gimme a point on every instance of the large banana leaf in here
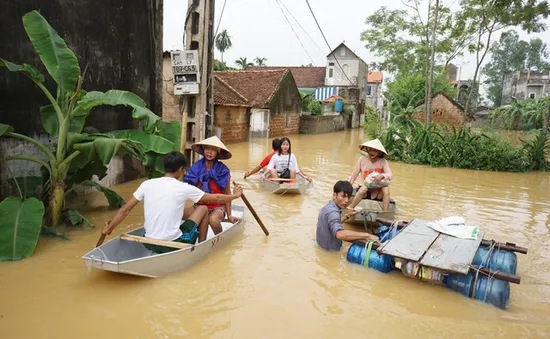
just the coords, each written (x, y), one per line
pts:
(106, 148)
(50, 122)
(27, 69)
(113, 198)
(171, 130)
(58, 59)
(29, 185)
(150, 142)
(5, 129)
(117, 97)
(20, 223)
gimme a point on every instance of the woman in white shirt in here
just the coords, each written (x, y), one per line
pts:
(284, 164)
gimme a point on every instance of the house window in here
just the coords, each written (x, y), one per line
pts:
(331, 64)
(532, 95)
(369, 91)
(343, 52)
(346, 69)
(330, 72)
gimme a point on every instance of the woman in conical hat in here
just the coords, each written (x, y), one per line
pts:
(212, 176)
(375, 172)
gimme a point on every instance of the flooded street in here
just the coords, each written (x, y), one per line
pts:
(283, 286)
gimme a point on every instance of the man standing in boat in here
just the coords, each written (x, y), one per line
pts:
(164, 202)
(330, 231)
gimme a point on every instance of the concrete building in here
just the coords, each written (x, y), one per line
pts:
(374, 94)
(525, 85)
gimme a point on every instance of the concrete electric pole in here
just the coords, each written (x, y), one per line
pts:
(197, 104)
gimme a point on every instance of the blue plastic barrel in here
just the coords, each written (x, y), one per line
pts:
(503, 261)
(385, 233)
(490, 290)
(338, 105)
(380, 262)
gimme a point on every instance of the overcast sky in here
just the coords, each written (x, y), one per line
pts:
(258, 28)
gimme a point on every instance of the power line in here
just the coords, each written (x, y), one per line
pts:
(289, 12)
(220, 20)
(328, 45)
(288, 21)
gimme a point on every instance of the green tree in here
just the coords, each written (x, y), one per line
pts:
(507, 55)
(260, 61)
(243, 63)
(487, 17)
(223, 42)
(537, 56)
(222, 66)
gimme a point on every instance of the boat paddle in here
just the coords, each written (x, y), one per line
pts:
(266, 232)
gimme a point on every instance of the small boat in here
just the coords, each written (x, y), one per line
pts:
(370, 209)
(285, 186)
(132, 257)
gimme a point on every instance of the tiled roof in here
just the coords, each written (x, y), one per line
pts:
(226, 95)
(375, 77)
(305, 77)
(257, 87)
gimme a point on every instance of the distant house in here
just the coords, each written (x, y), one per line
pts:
(307, 78)
(374, 89)
(263, 103)
(525, 85)
(445, 111)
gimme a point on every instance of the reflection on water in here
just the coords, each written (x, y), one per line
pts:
(283, 286)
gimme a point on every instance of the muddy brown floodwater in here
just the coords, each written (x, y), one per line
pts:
(283, 286)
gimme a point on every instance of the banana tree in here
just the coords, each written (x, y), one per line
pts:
(79, 156)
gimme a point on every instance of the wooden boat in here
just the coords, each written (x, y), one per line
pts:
(371, 209)
(130, 257)
(285, 186)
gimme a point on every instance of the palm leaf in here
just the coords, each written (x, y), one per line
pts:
(20, 223)
(28, 70)
(58, 59)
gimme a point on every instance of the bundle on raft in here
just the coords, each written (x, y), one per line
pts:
(476, 268)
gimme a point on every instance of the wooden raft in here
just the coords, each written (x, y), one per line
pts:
(420, 243)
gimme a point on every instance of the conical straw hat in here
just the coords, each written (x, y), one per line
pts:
(214, 142)
(376, 144)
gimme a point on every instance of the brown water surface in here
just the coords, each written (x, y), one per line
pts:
(283, 286)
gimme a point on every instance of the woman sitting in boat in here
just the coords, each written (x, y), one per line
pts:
(212, 176)
(376, 174)
(276, 145)
(284, 164)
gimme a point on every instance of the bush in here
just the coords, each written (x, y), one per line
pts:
(443, 147)
(315, 107)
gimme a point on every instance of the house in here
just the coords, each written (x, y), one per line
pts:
(307, 78)
(463, 87)
(525, 85)
(256, 103)
(374, 90)
(445, 111)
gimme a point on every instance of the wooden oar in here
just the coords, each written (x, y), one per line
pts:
(266, 232)
(100, 241)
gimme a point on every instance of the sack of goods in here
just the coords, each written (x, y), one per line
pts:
(370, 184)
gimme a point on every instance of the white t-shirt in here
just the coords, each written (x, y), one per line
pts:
(163, 206)
(280, 162)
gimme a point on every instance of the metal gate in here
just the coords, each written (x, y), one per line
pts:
(259, 124)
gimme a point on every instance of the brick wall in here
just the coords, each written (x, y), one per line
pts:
(234, 123)
(314, 124)
(444, 113)
(284, 124)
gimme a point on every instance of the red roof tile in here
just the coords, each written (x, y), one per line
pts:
(257, 87)
(305, 77)
(226, 95)
(375, 77)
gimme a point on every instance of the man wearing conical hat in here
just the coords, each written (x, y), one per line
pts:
(375, 172)
(212, 176)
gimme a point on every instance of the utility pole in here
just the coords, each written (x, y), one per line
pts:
(198, 109)
(432, 61)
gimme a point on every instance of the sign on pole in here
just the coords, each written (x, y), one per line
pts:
(185, 67)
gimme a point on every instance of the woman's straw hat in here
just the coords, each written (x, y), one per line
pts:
(376, 144)
(223, 153)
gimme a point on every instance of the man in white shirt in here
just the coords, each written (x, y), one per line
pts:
(164, 202)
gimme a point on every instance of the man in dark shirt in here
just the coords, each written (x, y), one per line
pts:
(330, 231)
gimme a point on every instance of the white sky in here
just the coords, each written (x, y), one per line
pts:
(259, 29)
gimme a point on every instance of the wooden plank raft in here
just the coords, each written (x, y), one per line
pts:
(419, 243)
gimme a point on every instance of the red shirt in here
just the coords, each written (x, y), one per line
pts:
(266, 160)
